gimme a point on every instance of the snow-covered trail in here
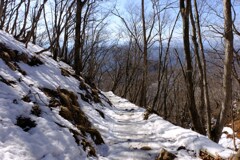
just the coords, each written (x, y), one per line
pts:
(129, 137)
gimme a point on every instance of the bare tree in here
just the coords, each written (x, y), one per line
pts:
(197, 124)
(163, 76)
(204, 70)
(201, 107)
(227, 77)
(143, 98)
(35, 20)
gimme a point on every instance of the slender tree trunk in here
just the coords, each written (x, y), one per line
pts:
(65, 44)
(77, 58)
(201, 109)
(1, 8)
(227, 77)
(77, 61)
(204, 65)
(4, 4)
(143, 100)
(197, 124)
(14, 26)
(23, 29)
(35, 22)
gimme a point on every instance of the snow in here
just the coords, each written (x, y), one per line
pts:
(125, 133)
(226, 141)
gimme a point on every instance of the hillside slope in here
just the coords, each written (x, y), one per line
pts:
(49, 113)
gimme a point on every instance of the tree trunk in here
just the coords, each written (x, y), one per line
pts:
(204, 65)
(197, 124)
(1, 8)
(143, 98)
(4, 4)
(77, 58)
(227, 77)
(35, 22)
(23, 29)
(201, 109)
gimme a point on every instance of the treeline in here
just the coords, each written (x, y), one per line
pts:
(175, 58)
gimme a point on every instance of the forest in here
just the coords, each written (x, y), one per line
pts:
(179, 59)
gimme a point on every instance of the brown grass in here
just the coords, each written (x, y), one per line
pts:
(71, 111)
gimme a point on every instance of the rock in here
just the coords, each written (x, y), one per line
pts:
(165, 155)
(146, 148)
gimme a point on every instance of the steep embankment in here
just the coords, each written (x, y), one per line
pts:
(49, 113)
(40, 107)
